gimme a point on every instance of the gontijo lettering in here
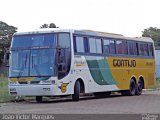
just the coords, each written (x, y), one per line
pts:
(124, 63)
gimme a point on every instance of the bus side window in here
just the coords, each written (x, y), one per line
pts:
(74, 43)
(78, 44)
(137, 48)
(132, 48)
(86, 45)
(143, 49)
(92, 45)
(122, 47)
(146, 50)
(151, 53)
(106, 46)
(95, 45)
(98, 46)
(112, 47)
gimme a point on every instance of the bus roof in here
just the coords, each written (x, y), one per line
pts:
(85, 33)
(112, 35)
(43, 30)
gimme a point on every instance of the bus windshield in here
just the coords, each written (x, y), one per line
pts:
(33, 55)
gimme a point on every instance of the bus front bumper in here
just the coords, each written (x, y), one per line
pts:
(33, 90)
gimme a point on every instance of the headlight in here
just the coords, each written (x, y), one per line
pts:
(46, 82)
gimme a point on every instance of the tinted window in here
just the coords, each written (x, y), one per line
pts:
(121, 47)
(64, 40)
(146, 51)
(143, 49)
(112, 47)
(132, 48)
(74, 43)
(106, 46)
(86, 44)
(95, 45)
(99, 46)
(92, 45)
(151, 53)
(79, 44)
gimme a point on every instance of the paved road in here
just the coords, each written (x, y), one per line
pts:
(148, 102)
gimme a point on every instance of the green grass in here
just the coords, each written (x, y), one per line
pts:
(4, 96)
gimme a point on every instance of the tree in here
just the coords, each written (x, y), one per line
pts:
(51, 25)
(6, 32)
(153, 33)
(44, 26)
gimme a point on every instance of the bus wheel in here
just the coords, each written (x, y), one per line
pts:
(39, 99)
(76, 95)
(140, 87)
(133, 88)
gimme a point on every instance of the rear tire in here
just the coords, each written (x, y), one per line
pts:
(39, 99)
(140, 86)
(76, 95)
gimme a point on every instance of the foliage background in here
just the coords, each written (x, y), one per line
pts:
(6, 33)
(154, 33)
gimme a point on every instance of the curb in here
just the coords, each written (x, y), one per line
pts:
(157, 89)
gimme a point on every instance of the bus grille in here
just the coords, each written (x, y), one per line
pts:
(23, 82)
(34, 82)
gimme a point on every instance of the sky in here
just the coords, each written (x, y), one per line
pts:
(126, 17)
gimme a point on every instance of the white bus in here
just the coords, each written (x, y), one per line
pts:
(57, 62)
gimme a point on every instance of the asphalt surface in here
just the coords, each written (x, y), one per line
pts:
(148, 102)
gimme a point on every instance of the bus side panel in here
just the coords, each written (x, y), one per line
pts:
(101, 78)
(123, 69)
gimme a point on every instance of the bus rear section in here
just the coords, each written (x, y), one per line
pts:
(114, 63)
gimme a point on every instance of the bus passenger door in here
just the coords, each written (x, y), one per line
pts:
(63, 55)
(61, 62)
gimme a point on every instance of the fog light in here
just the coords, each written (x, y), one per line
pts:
(13, 93)
(53, 81)
(11, 83)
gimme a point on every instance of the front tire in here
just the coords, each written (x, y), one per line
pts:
(76, 95)
(133, 88)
